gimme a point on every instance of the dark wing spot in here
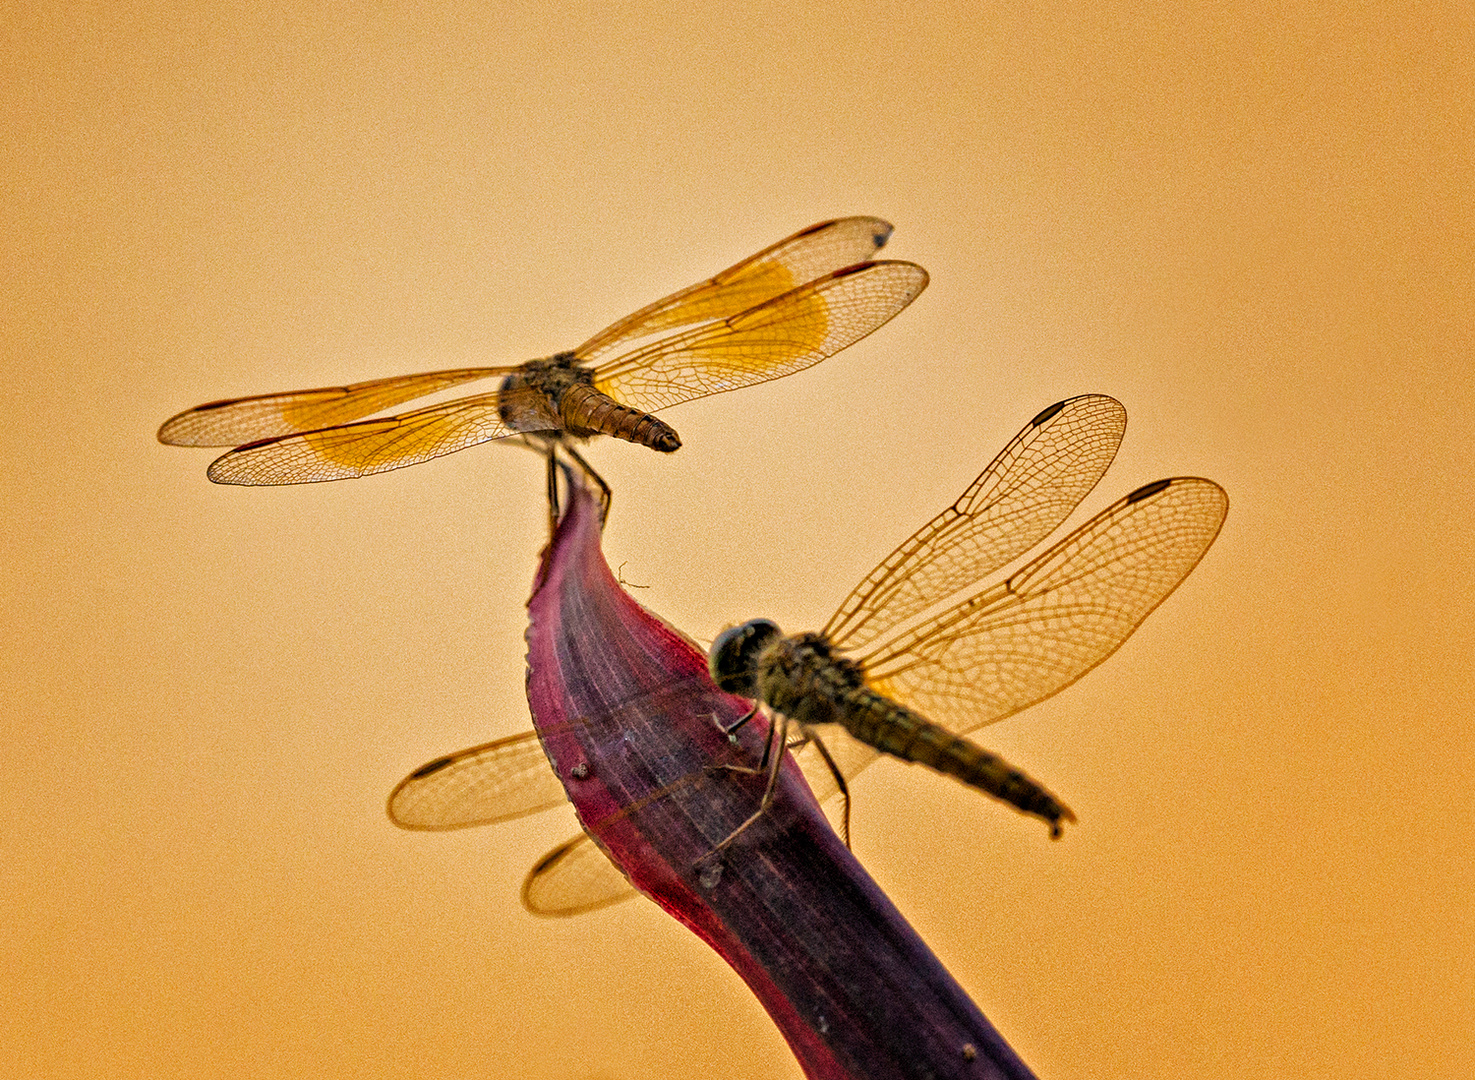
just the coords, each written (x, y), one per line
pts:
(254, 443)
(431, 767)
(1148, 490)
(1048, 414)
(548, 860)
(214, 404)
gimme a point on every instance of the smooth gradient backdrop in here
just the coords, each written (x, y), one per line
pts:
(1251, 223)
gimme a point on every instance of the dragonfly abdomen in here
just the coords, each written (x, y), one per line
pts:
(896, 730)
(804, 678)
(587, 411)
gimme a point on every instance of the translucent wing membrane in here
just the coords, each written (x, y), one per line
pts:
(494, 782)
(370, 446)
(1023, 495)
(784, 335)
(811, 253)
(499, 781)
(758, 324)
(511, 777)
(573, 878)
(243, 420)
(817, 250)
(1019, 642)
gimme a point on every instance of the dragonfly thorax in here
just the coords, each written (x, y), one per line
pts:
(806, 679)
(532, 395)
(801, 675)
(557, 397)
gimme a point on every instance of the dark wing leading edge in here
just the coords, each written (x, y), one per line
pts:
(1018, 642)
(573, 878)
(1022, 497)
(778, 337)
(808, 254)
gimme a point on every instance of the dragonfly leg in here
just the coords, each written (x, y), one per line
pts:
(746, 717)
(747, 770)
(553, 514)
(549, 448)
(819, 744)
(770, 766)
(778, 735)
(606, 496)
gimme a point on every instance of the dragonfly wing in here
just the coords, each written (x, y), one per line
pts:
(497, 781)
(266, 416)
(368, 446)
(1031, 636)
(811, 253)
(573, 878)
(779, 337)
(1022, 497)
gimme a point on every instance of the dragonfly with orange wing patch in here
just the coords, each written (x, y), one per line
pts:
(779, 311)
(904, 637)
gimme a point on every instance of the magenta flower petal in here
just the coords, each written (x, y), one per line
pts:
(633, 728)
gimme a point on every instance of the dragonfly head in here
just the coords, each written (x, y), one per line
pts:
(733, 661)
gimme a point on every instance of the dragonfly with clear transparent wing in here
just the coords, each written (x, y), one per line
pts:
(919, 630)
(779, 311)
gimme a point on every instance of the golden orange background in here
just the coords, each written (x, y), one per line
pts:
(1252, 225)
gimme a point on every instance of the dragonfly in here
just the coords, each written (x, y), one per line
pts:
(777, 312)
(924, 630)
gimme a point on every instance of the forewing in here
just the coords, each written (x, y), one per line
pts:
(494, 782)
(809, 254)
(265, 416)
(1023, 495)
(779, 337)
(573, 878)
(1019, 642)
(368, 446)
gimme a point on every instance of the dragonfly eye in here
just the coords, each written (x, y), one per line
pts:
(733, 661)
